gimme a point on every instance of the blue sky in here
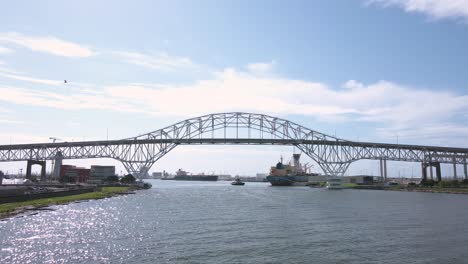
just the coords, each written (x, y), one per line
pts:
(368, 70)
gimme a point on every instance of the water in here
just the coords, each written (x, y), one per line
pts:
(214, 222)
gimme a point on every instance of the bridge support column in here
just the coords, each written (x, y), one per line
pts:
(431, 173)
(57, 166)
(438, 171)
(43, 169)
(423, 171)
(385, 169)
(381, 170)
(455, 177)
(465, 169)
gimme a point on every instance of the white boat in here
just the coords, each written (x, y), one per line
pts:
(334, 184)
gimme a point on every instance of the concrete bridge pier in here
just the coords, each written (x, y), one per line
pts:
(438, 171)
(465, 170)
(42, 163)
(455, 177)
(425, 165)
(57, 165)
(423, 171)
(431, 173)
(383, 170)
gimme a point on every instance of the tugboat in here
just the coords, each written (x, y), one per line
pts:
(237, 181)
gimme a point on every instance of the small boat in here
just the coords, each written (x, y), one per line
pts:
(237, 181)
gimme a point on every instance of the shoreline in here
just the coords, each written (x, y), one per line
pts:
(461, 190)
(8, 210)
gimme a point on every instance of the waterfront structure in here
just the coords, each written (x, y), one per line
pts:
(100, 173)
(70, 173)
(334, 184)
(157, 175)
(261, 176)
(332, 154)
(359, 179)
(317, 179)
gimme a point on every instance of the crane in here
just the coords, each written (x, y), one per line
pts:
(54, 139)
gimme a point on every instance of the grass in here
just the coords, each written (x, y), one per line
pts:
(120, 189)
(349, 185)
(105, 192)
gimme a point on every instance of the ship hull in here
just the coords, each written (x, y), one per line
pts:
(298, 180)
(196, 178)
(280, 180)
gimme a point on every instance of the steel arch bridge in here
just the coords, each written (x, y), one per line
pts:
(138, 154)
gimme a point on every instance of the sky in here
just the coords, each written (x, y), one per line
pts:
(368, 70)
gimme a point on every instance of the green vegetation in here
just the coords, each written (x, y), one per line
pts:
(118, 189)
(128, 179)
(349, 185)
(105, 192)
(113, 178)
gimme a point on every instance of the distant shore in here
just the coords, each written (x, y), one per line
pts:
(435, 189)
(11, 209)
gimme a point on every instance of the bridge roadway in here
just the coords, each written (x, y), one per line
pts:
(34, 147)
(234, 141)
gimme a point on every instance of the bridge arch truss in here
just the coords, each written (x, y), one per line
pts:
(138, 154)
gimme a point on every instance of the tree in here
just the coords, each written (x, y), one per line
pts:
(113, 178)
(427, 183)
(128, 179)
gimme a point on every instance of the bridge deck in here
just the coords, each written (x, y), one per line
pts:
(246, 141)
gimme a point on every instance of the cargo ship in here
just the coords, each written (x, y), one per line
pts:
(289, 175)
(182, 175)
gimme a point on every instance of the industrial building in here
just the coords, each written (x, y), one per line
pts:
(359, 179)
(100, 173)
(157, 175)
(70, 173)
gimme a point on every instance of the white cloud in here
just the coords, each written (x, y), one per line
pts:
(392, 106)
(261, 67)
(48, 44)
(19, 138)
(435, 8)
(353, 84)
(9, 121)
(75, 100)
(161, 61)
(29, 79)
(4, 50)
